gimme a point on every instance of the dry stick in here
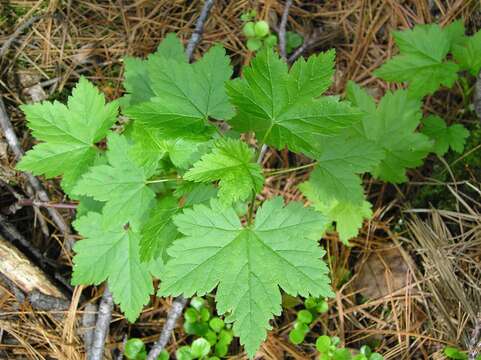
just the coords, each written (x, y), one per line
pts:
(477, 96)
(88, 326)
(172, 316)
(102, 326)
(36, 187)
(12, 140)
(180, 302)
(475, 341)
(199, 28)
(282, 30)
(298, 52)
(6, 45)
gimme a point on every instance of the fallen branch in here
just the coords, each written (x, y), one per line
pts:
(26, 277)
(199, 28)
(475, 340)
(477, 96)
(88, 326)
(102, 326)
(282, 30)
(172, 316)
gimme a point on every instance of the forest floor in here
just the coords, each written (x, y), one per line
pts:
(409, 285)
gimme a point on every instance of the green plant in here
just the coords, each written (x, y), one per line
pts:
(305, 317)
(135, 350)
(258, 34)
(454, 353)
(329, 349)
(293, 41)
(200, 322)
(172, 195)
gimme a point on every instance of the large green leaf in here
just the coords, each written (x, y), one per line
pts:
(421, 61)
(69, 133)
(284, 108)
(111, 252)
(248, 264)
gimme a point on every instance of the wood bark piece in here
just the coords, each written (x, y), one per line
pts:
(20, 272)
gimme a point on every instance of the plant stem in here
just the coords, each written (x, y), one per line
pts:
(162, 180)
(288, 170)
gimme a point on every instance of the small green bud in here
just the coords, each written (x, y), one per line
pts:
(164, 355)
(249, 29)
(261, 28)
(296, 336)
(191, 315)
(271, 40)
(323, 343)
(204, 314)
(197, 303)
(216, 324)
(183, 353)
(133, 347)
(304, 316)
(200, 348)
(221, 349)
(254, 44)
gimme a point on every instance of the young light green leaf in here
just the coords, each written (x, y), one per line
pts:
(137, 80)
(186, 94)
(392, 127)
(347, 215)
(69, 133)
(151, 145)
(248, 264)
(421, 61)
(121, 184)
(444, 136)
(283, 108)
(231, 163)
(468, 55)
(112, 253)
(159, 231)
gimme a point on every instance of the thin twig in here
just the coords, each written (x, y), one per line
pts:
(30, 202)
(88, 326)
(35, 187)
(6, 45)
(282, 30)
(475, 340)
(172, 316)
(308, 41)
(102, 326)
(477, 96)
(199, 28)
(263, 151)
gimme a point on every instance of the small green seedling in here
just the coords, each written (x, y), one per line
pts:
(135, 350)
(198, 321)
(293, 41)
(329, 350)
(258, 34)
(454, 353)
(305, 317)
